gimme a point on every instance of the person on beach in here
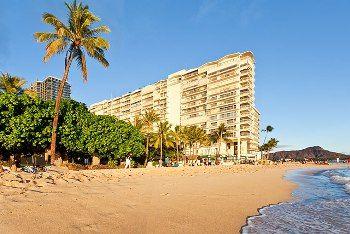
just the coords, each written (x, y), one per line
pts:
(128, 161)
(167, 162)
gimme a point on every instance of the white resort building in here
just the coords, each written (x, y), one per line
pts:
(221, 91)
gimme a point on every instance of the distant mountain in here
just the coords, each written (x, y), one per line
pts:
(315, 152)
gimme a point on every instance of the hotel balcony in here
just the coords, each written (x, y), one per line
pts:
(245, 134)
(245, 107)
(193, 98)
(195, 90)
(245, 128)
(245, 113)
(246, 93)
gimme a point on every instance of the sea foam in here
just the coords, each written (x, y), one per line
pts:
(321, 205)
(342, 179)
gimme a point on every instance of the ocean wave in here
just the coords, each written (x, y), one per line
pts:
(341, 179)
(347, 188)
(322, 205)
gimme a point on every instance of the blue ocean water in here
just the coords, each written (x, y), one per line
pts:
(321, 204)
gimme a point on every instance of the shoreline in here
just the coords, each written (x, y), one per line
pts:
(311, 170)
(312, 182)
(192, 199)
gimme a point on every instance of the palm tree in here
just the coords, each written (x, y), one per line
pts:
(177, 135)
(268, 129)
(148, 120)
(11, 84)
(14, 85)
(220, 135)
(75, 38)
(270, 145)
(194, 136)
(163, 137)
(138, 122)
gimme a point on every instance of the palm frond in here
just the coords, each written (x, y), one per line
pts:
(30, 93)
(98, 30)
(51, 19)
(55, 47)
(11, 84)
(95, 42)
(45, 36)
(78, 34)
(81, 60)
(99, 56)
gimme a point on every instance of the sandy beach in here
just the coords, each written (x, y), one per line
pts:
(159, 200)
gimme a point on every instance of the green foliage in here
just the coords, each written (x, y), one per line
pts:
(108, 137)
(74, 118)
(24, 123)
(194, 135)
(78, 36)
(270, 145)
(11, 84)
(25, 127)
(112, 163)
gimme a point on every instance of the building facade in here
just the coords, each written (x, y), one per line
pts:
(220, 91)
(48, 88)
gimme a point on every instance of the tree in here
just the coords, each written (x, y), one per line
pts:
(25, 128)
(105, 136)
(268, 129)
(178, 138)
(193, 136)
(267, 147)
(138, 122)
(162, 137)
(75, 117)
(148, 119)
(14, 85)
(75, 39)
(24, 124)
(11, 84)
(220, 135)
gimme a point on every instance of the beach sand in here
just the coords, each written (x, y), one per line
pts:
(159, 200)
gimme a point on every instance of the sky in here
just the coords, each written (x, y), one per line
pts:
(301, 47)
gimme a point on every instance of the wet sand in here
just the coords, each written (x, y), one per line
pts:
(158, 200)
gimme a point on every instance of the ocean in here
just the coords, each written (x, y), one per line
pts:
(321, 204)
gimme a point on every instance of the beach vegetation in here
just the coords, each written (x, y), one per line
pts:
(146, 124)
(163, 137)
(178, 137)
(75, 38)
(268, 147)
(25, 129)
(14, 85)
(194, 137)
(220, 135)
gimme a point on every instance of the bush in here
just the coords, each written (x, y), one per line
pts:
(25, 128)
(112, 164)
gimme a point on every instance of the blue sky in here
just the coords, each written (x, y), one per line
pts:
(302, 55)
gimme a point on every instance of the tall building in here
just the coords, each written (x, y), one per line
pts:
(221, 91)
(48, 88)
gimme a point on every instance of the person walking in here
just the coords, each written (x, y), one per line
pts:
(128, 161)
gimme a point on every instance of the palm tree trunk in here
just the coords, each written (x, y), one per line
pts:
(177, 153)
(69, 59)
(147, 151)
(161, 148)
(184, 154)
